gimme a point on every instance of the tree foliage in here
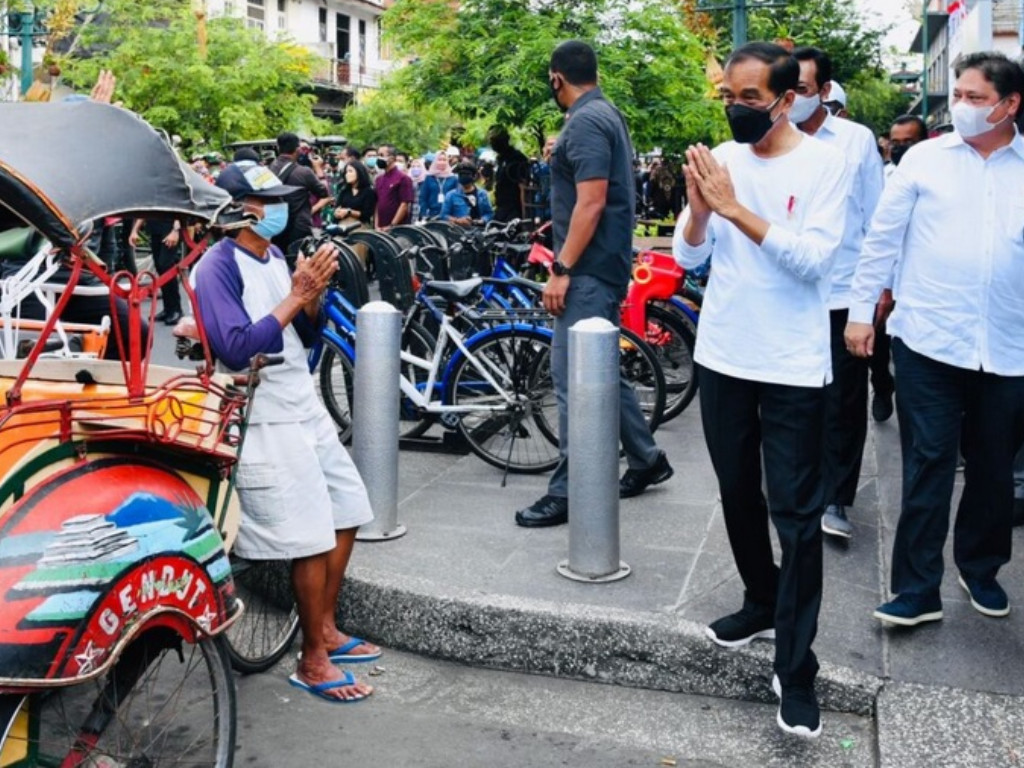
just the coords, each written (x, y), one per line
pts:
(244, 88)
(875, 102)
(389, 116)
(486, 60)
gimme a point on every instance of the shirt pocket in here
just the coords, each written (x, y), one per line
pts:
(259, 492)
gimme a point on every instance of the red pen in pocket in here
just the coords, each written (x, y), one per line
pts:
(790, 207)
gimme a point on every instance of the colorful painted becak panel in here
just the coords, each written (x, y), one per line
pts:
(86, 555)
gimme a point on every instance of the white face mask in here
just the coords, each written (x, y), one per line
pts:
(803, 107)
(973, 121)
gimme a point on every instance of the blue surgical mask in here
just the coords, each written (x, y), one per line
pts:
(275, 219)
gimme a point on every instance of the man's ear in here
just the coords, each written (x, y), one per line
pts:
(826, 91)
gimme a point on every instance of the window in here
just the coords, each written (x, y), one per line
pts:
(343, 38)
(255, 14)
(323, 24)
(282, 15)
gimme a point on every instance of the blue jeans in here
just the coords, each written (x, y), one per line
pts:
(941, 407)
(590, 297)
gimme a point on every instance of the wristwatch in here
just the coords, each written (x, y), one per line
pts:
(558, 269)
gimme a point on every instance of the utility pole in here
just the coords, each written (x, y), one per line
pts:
(25, 24)
(740, 9)
(924, 58)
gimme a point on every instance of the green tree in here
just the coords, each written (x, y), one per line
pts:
(243, 88)
(486, 60)
(875, 102)
(388, 115)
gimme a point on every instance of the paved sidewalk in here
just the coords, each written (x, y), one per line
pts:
(467, 584)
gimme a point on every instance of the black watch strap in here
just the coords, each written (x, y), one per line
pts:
(559, 269)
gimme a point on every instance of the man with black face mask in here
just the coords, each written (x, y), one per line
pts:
(395, 190)
(592, 203)
(467, 203)
(906, 131)
(771, 209)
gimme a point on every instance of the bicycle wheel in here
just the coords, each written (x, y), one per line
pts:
(265, 631)
(511, 428)
(164, 702)
(640, 368)
(672, 342)
(337, 380)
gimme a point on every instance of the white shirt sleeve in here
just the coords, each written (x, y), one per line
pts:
(689, 256)
(809, 253)
(882, 245)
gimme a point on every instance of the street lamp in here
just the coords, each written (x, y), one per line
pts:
(739, 10)
(26, 25)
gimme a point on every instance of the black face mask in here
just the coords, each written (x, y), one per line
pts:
(554, 95)
(750, 124)
(465, 179)
(896, 153)
(382, 163)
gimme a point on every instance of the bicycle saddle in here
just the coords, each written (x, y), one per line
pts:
(454, 290)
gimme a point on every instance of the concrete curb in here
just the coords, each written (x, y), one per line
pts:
(642, 650)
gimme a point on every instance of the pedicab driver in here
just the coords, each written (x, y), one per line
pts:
(301, 495)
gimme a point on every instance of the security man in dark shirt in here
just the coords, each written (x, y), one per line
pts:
(592, 202)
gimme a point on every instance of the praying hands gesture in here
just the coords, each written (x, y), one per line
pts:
(312, 275)
(708, 184)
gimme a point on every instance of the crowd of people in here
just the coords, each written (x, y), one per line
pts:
(822, 249)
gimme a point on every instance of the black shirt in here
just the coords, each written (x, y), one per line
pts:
(300, 209)
(513, 169)
(363, 202)
(595, 144)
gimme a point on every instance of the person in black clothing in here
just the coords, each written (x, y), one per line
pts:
(510, 177)
(355, 195)
(165, 242)
(300, 206)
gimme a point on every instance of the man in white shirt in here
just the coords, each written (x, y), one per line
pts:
(951, 225)
(846, 398)
(771, 208)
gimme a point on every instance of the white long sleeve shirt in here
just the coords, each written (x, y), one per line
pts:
(864, 164)
(951, 225)
(765, 313)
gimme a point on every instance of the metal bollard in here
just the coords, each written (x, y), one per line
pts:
(375, 416)
(594, 454)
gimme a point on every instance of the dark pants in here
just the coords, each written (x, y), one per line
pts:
(846, 418)
(1018, 475)
(882, 381)
(743, 419)
(165, 258)
(590, 297)
(933, 402)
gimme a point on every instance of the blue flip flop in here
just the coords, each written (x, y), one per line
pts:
(321, 689)
(341, 655)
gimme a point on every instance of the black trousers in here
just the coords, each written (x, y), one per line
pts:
(846, 418)
(882, 381)
(941, 407)
(742, 419)
(163, 259)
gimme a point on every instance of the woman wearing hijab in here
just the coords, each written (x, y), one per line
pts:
(439, 181)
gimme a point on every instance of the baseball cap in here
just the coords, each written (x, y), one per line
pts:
(250, 179)
(837, 93)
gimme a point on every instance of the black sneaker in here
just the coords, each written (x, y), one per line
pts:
(752, 622)
(881, 407)
(548, 510)
(635, 481)
(987, 597)
(909, 610)
(799, 714)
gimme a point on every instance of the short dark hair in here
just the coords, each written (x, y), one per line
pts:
(922, 128)
(392, 151)
(783, 72)
(575, 61)
(287, 143)
(352, 152)
(245, 153)
(1005, 75)
(822, 62)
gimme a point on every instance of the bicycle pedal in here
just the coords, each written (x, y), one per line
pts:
(450, 420)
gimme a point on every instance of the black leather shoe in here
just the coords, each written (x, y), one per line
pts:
(547, 510)
(881, 407)
(635, 481)
(160, 316)
(171, 318)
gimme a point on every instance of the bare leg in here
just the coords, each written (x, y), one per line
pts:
(309, 577)
(337, 564)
